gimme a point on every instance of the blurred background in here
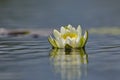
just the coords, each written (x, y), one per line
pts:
(55, 13)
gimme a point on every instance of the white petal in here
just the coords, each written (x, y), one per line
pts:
(69, 27)
(73, 30)
(79, 30)
(63, 41)
(68, 40)
(74, 43)
(56, 34)
(71, 42)
(78, 38)
(67, 31)
(60, 43)
(62, 30)
(79, 33)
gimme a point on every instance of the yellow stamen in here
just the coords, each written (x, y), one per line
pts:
(69, 34)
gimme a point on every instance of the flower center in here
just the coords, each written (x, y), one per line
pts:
(69, 34)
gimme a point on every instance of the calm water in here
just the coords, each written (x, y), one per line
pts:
(31, 58)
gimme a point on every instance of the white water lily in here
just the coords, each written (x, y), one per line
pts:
(68, 37)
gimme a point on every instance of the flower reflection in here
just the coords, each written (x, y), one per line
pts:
(71, 64)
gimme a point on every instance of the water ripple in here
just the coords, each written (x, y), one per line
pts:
(23, 50)
(102, 50)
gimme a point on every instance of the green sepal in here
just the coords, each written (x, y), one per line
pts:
(52, 42)
(81, 41)
(85, 39)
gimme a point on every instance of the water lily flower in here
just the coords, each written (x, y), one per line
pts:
(68, 38)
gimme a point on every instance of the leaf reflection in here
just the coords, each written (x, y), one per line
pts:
(71, 64)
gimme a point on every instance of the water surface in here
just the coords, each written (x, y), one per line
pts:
(28, 58)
